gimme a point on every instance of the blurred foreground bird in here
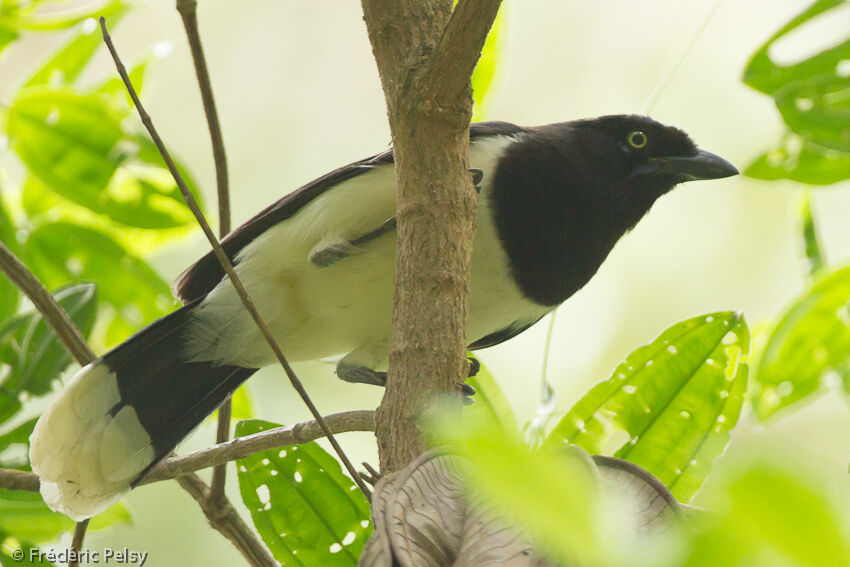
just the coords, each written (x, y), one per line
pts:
(319, 265)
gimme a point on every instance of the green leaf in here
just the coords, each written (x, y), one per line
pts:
(305, 509)
(114, 86)
(811, 339)
(29, 20)
(676, 398)
(14, 446)
(485, 69)
(68, 140)
(9, 546)
(490, 398)
(818, 109)
(75, 144)
(766, 516)
(9, 294)
(66, 64)
(8, 34)
(766, 76)
(803, 161)
(33, 351)
(553, 494)
(63, 251)
(811, 244)
(25, 516)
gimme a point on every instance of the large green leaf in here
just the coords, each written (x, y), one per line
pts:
(553, 494)
(63, 251)
(801, 160)
(763, 74)
(34, 354)
(66, 64)
(811, 339)
(26, 517)
(68, 140)
(766, 516)
(75, 144)
(818, 109)
(306, 510)
(813, 97)
(676, 398)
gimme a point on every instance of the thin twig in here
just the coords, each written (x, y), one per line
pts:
(227, 265)
(238, 448)
(77, 542)
(13, 479)
(224, 518)
(241, 447)
(188, 12)
(53, 313)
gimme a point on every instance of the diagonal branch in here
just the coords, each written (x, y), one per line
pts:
(228, 266)
(241, 447)
(238, 448)
(450, 67)
(53, 313)
(189, 14)
(224, 517)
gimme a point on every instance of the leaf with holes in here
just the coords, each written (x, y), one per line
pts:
(764, 74)
(676, 398)
(810, 340)
(306, 510)
(63, 251)
(802, 161)
(31, 349)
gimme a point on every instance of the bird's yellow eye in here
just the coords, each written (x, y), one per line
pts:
(637, 139)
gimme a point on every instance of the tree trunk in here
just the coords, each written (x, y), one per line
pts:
(426, 54)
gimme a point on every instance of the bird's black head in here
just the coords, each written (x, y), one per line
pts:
(647, 158)
(565, 193)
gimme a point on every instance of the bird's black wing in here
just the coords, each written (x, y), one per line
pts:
(200, 278)
(502, 335)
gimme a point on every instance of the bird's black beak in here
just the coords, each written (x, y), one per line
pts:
(704, 165)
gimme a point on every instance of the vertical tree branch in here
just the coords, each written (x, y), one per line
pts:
(425, 54)
(188, 12)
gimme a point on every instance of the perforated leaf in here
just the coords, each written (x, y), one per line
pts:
(677, 399)
(306, 510)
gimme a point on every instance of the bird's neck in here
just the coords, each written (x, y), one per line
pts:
(556, 219)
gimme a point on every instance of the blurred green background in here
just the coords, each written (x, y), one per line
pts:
(298, 95)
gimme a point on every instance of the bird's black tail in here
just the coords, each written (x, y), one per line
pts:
(121, 414)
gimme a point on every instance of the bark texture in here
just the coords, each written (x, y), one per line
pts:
(426, 53)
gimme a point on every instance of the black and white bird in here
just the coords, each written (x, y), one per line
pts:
(319, 265)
